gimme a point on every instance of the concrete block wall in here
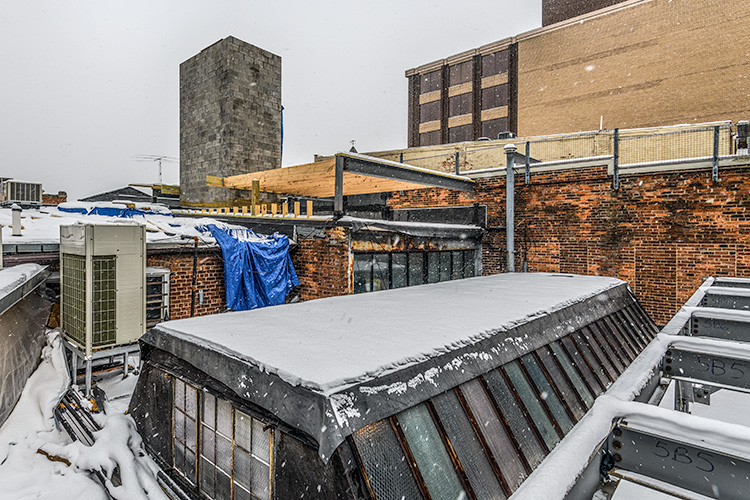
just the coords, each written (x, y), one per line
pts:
(230, 118)
(663, 233)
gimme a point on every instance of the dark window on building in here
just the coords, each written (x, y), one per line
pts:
(381, 271)
(432, 81)
(494, 97)
(461, 73)
(460, 104)
(429, 138)
(185, 428)
(460, 134)
(495, 63)
(429, 112)
(491, 128)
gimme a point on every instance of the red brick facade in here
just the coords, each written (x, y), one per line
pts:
(662, 233)
(322, 264)
(210, 279)
(54, 199)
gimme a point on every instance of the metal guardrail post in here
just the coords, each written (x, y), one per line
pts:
(457, 159)
(510, 151)
(401, 158)
(715, 172)
(528, 161)
(616, 160)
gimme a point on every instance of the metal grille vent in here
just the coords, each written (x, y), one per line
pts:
(74, 297)
(104, 327)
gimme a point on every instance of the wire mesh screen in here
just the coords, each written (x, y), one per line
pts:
(566, 147)
(104, 327)
(74, 297)
(674, 145)
(384, 462)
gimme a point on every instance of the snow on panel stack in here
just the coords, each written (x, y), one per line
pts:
(361, 392)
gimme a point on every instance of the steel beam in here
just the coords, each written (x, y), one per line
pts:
(392, 170)
(734, 298)
(703, 325)
(710, 368)
(694, 468)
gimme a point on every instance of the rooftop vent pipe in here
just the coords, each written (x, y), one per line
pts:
(16, 211)
(510, 151)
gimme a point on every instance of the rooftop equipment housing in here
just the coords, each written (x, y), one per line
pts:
(15, 191)
(103, 285)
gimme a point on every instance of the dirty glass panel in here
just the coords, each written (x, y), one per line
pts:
(209, 410)
(430, 454)
(433, 267)
(580, 364)
(572, 374)
(261, 442)
(517, 422)
(608, 328)
(207, 477)
(385, 463)
(469, 265)
(458, 265)
(547, 393)
(223, 486)
(614, 356)
(494, 433)
(179, 426)
(260, 479)
(381, 276)
(637, 322)
(208, 443)
(560, 381)
(531, 402)
(398, 270)
(240, 493)
(179, 394)
(242, 467)
(224, 417)
(416, 268)
(445, 266)
(596, 364)
(634, 330)
(223, 453)
(242, 430)
(362, 269)
(467, 446)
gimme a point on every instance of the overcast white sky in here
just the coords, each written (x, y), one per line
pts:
(87, 85)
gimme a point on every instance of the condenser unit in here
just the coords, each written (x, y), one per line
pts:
(15, 191)
(103, 285)
(157, 295)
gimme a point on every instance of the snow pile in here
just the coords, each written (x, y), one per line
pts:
(27, 473)
(12, 277)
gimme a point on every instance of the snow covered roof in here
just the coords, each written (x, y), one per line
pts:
(42, 226)
(359, 358)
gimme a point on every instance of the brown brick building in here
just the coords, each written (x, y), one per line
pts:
(637, 63)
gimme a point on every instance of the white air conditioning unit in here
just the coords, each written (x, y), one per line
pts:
(15, 191)
(103, 284)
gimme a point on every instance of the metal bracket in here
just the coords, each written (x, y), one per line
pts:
(718, 371)
(698, 469)
(702, 325)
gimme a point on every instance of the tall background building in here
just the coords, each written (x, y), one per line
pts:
(636, 63)
(230, 118)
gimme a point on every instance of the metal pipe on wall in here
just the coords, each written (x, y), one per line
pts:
(510, 151)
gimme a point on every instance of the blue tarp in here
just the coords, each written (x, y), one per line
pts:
(256, 274)
(113, 211)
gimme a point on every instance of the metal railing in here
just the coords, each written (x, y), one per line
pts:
(628, 150)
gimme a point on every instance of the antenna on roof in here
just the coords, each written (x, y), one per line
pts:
(159, 159)
(353, 149)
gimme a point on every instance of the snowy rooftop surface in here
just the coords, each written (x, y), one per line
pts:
(13, 277)
(42, 225)
(326, 344)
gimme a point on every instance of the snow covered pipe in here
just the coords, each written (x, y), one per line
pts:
(16, 211)
(510, 151)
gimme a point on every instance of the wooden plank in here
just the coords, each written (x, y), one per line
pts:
(285, 209)
(212, 180)
(296, 209)
(244, 209)
(309, 208)
(274, 209)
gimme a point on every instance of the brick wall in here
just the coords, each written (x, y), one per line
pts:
(322, 264)
(654, 63)
(210, 279)
(54, 199)
(663, 233)
(554, 11)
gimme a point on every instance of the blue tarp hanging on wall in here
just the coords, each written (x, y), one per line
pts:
(256, 273)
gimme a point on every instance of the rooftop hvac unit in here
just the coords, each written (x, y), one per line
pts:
(157, 295)
(103, 285)
(15, 191)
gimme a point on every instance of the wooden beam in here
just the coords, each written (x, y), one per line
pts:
(212, 180)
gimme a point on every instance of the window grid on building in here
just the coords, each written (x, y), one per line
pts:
(185, 429)
(235, 453)
(104, 310)
(74, 290)
(382, 271)
(488, 434)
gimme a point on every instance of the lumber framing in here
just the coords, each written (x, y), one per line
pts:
(361, 175)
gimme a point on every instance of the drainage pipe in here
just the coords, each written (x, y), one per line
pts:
(510, 151)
